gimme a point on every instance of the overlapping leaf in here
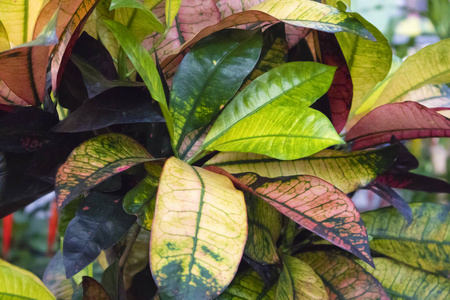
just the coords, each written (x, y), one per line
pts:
(343, 277)
(347, 171)
(423, 244)
(198, 232)
(17, 283)
(415, 182)
(286, 92)
(4, 40)
(137, 259)
(403, 282)
(314, 204)
(208, 77)
(94, 161)
(299, 281)
(100, 222)
(247, 285)
(55, 279)
(92, 290)
(405, 120)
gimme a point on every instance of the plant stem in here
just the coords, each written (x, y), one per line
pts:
(126, 252)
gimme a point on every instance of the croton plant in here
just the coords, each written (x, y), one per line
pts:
(206, 149)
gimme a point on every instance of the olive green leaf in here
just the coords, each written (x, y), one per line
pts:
(198, 233)
(4, 40)
(17, 283)
(248, 285)
(207, 78)
(285, 92)
(425, 243)
(403, 282)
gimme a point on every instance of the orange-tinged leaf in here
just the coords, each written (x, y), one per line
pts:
(94, 161)
(343, 277)
(198, 233)
(8, 97)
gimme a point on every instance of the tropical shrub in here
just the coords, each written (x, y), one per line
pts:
(225, 139)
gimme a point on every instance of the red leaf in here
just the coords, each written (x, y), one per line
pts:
(312, 203)
(415, 182)
(8, 97)
(52, 227)
(7, 233)
(340, 93)
(405, 120)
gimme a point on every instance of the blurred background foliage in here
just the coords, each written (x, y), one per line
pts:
(409, 26)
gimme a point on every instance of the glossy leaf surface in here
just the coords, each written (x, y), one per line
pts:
(198, 234)
(208, 77)
(94, 161)
(403, 282)
(247, 285)
(347, 171)
(343, 277)
(299, 281)
(100, 222)
(423, 244)
(292, 86)
(405, 120)
(17, 283)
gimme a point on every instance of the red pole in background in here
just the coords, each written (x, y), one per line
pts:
(7, 234)
(52, 227)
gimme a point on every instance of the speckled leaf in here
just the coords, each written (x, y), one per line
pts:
(247, 285)
(347, 171)
(340, 93)
(207, 78)
(100, 222)
(92, 290)
(298, 281)
(314, 204)
(141, 199)
(198, 234)
(343, 277)
(405, 120)
(415, 182)
(264, 228)
(423, 244)
(403, 282)
(94, 161)
(17, 283)
(286, 92)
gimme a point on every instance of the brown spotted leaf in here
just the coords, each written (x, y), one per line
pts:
(92, 290)
(312, 203)
(406, 120)
(344, 278)
(198, 233)
(94, 161)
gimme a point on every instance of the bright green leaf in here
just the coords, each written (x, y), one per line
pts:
(198, 234)
(17, 283)
(171, 10)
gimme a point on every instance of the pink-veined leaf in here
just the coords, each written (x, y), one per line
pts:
(8, 97)
(415, 182)
(312, 203)
(95, 161)
(340, 93)
(405, 120)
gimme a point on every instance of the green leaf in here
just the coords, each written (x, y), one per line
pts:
(171, 10)
(67, 214)
(247, 285)
(198, 234)
(144, 64)
(264, 229)
(403, 282)
(100, 222)
(412, 75)
(141, 199)
(17, 283)
(425, 243)
(95, 161)
(207, 78)
(347, 171)
(298, 281)
(284, 92)
(343, 277)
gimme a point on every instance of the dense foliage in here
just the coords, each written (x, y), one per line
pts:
(206, 149)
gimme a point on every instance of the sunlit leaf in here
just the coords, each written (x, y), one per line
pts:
(100, 222)
(312, 203)
(94, 161)
(343, 277)
(17, 283)
(198, 234)
(171, 10)
(347, 171)
(299, 281)
(423, 244)
(208, 77)
(264, 229)
(92, 290)
(286, 92)
(403, 282)
(405, 120)
(55, 279)
(247, 285)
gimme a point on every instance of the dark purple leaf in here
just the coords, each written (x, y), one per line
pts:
(415, 182)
